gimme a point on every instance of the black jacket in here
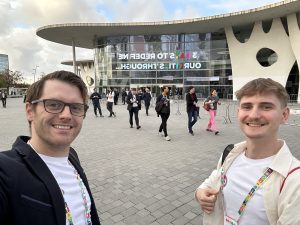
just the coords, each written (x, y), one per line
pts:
(95, 98)
(29, 193)
(165, 99)
(130, 103)
(190, 99)
(147, 98)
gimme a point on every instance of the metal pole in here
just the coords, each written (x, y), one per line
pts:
(74, 56)
(35, 69)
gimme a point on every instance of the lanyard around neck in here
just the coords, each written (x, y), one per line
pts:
(85, 201)
(252, 191)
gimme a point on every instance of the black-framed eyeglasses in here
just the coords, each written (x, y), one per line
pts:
(56, 106)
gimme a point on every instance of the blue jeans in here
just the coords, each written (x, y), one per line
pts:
(192, 119)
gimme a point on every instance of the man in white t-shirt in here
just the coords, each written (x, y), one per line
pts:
(41, 179)
(110, 102)
(259, 181)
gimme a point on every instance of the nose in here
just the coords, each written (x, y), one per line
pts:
(254, 113)
(66, 113)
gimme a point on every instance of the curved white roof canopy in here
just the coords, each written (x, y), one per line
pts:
(84, 34)
(78, 62)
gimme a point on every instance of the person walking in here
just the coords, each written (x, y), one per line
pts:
(96, 97)
(116, 96)
(147, 99)
(134, 105)
(124, 95)
(259, 180)
(191, 108)
(213, 102)
(164, 112)
(41, 179)
(110, 102)
(3, 96)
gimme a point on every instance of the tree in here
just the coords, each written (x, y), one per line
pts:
(11, 78)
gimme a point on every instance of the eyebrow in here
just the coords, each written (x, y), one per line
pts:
(260, 103)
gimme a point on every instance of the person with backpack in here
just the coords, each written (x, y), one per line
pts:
(163, 110)
(259, 180)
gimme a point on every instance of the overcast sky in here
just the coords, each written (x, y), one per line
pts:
(19, 20)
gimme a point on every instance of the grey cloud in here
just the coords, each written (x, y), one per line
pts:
(132, 10)
(5, 17)
(43, 12)
(24, 48)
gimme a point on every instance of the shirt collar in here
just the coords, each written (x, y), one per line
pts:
(281, 163)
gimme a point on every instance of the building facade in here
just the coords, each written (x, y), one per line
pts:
(4, 63)
(222, 52)
(177, 60)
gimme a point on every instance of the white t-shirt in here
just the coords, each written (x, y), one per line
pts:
(67, 181)
(134, 101)
(241, 177)
(110, 96)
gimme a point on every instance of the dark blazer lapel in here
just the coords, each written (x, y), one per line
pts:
(38, 166)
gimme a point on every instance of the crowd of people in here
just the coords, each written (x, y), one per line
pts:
(42, 181)
(135, 97)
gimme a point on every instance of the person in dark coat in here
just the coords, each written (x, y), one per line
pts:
(41, 179)
(191, 108)
(164, 113)
(134, 105)
(95, 97)
(3, 97)
(147, 99)
(124, 95)
(116, 97)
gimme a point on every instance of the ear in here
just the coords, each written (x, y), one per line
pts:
(285, 114)
(29, 111)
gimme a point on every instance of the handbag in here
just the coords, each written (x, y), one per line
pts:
(159, 105)
(206, 106)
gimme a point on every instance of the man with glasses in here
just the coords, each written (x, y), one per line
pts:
(41, 179)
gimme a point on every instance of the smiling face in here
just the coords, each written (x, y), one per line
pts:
(52, 134)
(261, 115)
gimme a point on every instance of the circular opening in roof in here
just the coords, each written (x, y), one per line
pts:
(266, 57)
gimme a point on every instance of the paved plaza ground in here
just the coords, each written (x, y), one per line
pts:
(136, 176)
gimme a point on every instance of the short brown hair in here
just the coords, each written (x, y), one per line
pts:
(212, 90)
(35, 91)
(164, 87)
(264, 86)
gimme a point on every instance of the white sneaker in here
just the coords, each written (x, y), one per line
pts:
(160, 134)
(168, 138)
